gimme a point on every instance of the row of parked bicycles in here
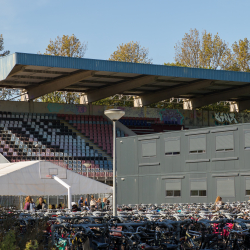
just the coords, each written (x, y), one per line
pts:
(149, 227)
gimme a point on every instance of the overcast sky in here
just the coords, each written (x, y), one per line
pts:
(28, 25)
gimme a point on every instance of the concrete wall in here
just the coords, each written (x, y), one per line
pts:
(189, 118)
(143, 179)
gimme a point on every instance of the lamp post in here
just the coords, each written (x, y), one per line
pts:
(87, 165)
(114, 115)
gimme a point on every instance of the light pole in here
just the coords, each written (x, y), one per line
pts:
(114, 115)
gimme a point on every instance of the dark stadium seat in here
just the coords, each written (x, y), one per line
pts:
(20, 132)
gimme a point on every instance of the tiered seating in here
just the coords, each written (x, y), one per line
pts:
(144, 125)
(139, 121)
(96, 128)
(20, 132)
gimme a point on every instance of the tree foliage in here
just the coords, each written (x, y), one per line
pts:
(68, 46)
(241, 55)
(3, 53)
(131, 52)
(116, 101)
(206, 51)
(5, 93)
(211, 52)
(61, 97)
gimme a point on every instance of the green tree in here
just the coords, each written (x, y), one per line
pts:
(241, 55)
(68, 46)
(5, 93)
(6, 52)
(131, 52)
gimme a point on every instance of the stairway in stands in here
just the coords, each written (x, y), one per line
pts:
(86, 139)
(96, 128)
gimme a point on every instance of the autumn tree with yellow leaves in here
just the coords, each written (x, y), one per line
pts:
(131, 52)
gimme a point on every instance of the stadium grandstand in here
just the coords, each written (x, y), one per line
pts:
(79, 137)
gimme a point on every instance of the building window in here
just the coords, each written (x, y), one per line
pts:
(247, 139)
(247, 186)
(172, 146)
(225, 187)
(173, 187)
(224, 142)
(197, 144)
(198, 187)
(149, 148)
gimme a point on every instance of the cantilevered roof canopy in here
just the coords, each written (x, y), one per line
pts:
(98, 79)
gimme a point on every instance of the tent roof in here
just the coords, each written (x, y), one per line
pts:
(29, 178)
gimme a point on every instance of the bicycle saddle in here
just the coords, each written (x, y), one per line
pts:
(100, 245)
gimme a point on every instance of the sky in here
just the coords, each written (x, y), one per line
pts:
(27, 26)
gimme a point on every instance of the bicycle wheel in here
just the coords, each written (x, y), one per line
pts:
(243, 246)
(217, 245)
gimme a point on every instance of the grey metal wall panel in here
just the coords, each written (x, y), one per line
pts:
(130, 183)
(247, 138)
(247, 183)
(225, 187)
(224, 141)
(197, 143)
(173, 184)
(148, 148)
(189, 165)
(198, 184)
(172, 144)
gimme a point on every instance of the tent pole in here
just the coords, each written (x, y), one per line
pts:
(69, 198)
(68, 187)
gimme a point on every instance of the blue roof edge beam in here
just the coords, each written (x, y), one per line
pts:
(125, 67)
(7, 63)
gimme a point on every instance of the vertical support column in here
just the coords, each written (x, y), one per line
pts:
(114, 172)
(31, 106)
(234, 107)
(84, 99)
(187, 105)
(24, 96)
(138, 102)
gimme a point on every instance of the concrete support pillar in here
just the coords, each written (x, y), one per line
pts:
(24, 95)
(234, 107)
(138, 102)
(84, 99)
(31, 106)
(187, 105)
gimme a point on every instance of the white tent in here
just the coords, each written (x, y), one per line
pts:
(31, 178)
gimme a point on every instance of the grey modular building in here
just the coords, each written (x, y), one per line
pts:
(185, 166)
